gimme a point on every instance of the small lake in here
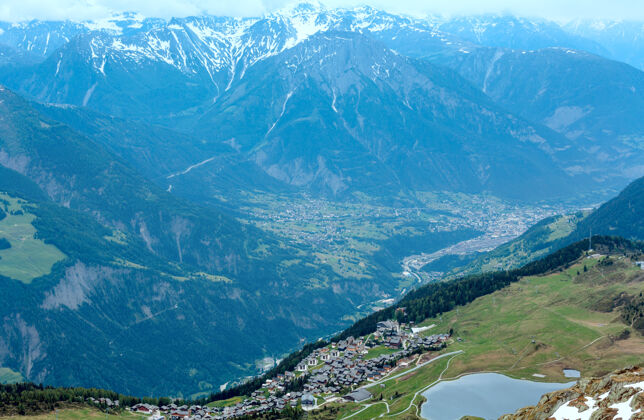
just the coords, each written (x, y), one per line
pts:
(486, 395)
(571, 373)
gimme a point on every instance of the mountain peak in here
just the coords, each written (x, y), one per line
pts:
(302, 7)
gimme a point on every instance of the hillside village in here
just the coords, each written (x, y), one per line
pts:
(338, 372)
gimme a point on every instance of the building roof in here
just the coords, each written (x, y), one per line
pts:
(358, 395)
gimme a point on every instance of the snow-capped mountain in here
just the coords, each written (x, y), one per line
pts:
(340, 112)
(519, 33)
(201, 75)
(624, 40)
(208, 51)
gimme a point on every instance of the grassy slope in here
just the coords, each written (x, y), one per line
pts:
(226, 403)
(28, 257)
(556, 310)
(536, 242)
(81, 414)
(8, 376)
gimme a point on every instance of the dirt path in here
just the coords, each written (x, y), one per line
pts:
(453, 354)
(440, 378)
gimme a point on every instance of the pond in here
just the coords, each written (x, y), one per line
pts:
(571, 373)
(486, 395)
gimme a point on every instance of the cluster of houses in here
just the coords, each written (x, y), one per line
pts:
(396, 336)
(107, 402)
(328, 373)
(175, 412)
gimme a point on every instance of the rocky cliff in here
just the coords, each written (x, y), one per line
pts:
(619, 395)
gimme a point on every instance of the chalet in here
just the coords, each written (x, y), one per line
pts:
(144, 408)
(179, 414)
(359, 395)
(308, 400)
(301, 367)
(394, 342)
(383, 326)
(312, 361)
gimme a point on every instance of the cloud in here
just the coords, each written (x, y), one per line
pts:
(18, 10)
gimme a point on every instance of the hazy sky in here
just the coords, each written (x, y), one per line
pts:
(16, 10)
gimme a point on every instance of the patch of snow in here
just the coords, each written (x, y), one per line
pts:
(417, 330)
(497, 56)
(89, 93)
(333, 105)
(190, 168)
(47, 43)
(624, 409)
(567, 411)
(637, 385)
(288, 96)
(101, 68)
(107, 25)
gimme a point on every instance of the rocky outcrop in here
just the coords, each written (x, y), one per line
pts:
(619, 395)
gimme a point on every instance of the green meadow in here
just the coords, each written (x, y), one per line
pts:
(28, 257)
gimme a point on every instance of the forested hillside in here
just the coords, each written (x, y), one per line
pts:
(116, 263)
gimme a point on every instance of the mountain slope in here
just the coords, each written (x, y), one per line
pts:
(111, 314)
(132, 252)
(592, 101)
(315, 119)
(96, 182)
(181, 73)
(623, 40)
(517, 33)
(620, 216)
(618, 393)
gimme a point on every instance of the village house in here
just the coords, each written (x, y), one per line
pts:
(359, 395)
(339, 371)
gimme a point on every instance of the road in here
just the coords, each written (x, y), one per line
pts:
(453, 354)
(440, 378)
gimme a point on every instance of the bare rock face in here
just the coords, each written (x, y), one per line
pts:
(77, 286)
(619, 395)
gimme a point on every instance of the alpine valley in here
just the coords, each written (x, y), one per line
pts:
(185, 202)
